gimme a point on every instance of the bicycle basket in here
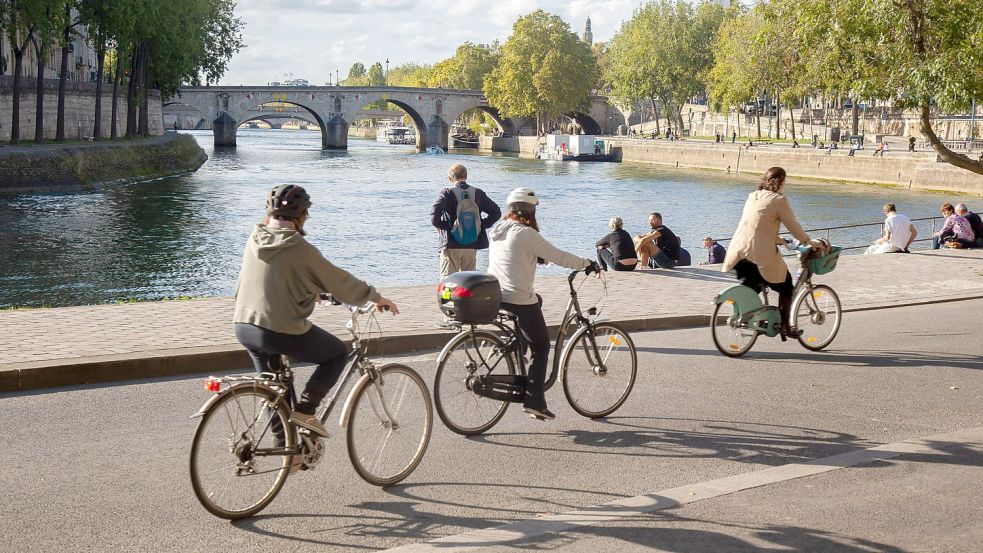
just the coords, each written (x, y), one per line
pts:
(826, 263)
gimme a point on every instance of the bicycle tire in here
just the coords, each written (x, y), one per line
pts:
(204, 493)
(808, 339)
(442, 394)
(595, 375)
(403, 382)
(728, 345)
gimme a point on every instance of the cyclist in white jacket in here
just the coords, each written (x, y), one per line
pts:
(514, 250)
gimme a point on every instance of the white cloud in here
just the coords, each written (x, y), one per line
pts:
(311, 38)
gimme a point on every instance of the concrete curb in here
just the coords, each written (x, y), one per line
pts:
(22, 377)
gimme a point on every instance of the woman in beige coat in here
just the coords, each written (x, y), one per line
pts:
(753, 251)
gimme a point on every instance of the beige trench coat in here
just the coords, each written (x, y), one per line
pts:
(756, 238)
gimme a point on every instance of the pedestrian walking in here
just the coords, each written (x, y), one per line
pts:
(733, 137)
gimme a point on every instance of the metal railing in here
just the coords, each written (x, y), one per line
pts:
(826, 232)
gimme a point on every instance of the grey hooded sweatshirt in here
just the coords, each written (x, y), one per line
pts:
(512, 258)
(282, 275)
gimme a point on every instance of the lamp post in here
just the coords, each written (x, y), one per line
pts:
(387, 71)
(337, 81)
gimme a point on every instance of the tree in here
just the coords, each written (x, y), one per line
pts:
(356, 71)
(19, 23)
(922, 54)
(107, 21)
(45, 15)
(544, 71)
(66, 23)
(376, 75)
(467, 68)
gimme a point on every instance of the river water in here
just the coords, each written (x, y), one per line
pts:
(183, 236)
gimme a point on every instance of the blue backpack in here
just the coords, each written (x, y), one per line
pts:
(467, 225)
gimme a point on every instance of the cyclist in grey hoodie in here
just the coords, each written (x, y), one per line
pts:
(281, 280)
(515, 248)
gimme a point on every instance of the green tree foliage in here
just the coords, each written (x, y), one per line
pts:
(467, 68)
(19, 20)
(410, 74)
(356, 71)
(545, 70)
(919, 53)
(376, 75)
(663, 53)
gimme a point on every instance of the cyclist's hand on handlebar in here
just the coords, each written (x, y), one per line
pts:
(593, 268)
(386, 305)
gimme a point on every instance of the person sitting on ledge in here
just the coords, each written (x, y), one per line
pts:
(616, 251)
(660, 247)
(899, 233)
(956, 232)
(715, 252)
(974, 221)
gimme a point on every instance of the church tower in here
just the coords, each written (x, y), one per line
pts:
(588, 35)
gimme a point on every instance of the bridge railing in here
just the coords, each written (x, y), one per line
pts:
(835, 235)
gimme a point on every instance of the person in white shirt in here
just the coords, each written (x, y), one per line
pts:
(899, 233)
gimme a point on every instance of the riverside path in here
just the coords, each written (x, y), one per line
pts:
(75, 345)
(873, 446)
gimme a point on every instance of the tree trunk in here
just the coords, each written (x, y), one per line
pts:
(856, 116)
(39, 49)
(757, 118)
(778, 114)
(97, 123)
(62, 78)
(15, 114)
(947, 155)
(131, 94)
(655, 112)
(791, 119)
(144, 123)
(118, 75)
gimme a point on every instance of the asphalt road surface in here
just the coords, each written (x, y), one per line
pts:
(104, 468)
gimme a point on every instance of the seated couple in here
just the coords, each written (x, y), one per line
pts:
(659, 248)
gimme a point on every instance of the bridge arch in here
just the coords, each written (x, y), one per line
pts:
(504, 125)
(418, 121)
(251, 113)
(183, 118)
(586, 123)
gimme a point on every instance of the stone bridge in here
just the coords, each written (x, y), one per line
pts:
(334, 108)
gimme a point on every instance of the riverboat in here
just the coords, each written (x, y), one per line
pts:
(573, 147)
(393, 132)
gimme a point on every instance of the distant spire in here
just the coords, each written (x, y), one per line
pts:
(588, 34)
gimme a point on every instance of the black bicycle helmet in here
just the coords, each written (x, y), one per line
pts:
(287, 201)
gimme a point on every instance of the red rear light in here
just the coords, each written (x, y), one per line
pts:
(460, 292)
(212, 385)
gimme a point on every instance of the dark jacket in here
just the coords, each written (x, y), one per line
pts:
(668, 242)
(620, 244)
(976, 223)
(717, 254)
(444, 214)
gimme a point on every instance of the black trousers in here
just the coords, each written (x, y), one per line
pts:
(316, 346)
(532, 325)
(605, 258)
(749, 274)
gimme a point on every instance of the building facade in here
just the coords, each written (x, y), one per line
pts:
(81, 62)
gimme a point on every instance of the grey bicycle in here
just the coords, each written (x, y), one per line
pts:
(245, 447)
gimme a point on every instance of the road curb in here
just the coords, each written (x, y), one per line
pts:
(23, 377)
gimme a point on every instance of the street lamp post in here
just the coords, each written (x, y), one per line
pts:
(387, 71)
(337, 80)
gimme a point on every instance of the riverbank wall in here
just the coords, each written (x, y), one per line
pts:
(70, 166)
(80, 101)
(917, 171)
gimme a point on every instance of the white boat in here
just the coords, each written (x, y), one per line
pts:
(434, 149)
(393, 132)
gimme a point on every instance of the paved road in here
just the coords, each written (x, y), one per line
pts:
(104, 468)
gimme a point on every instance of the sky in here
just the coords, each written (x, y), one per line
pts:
(311, 38)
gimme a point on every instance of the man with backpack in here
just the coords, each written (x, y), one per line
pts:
(461, 214)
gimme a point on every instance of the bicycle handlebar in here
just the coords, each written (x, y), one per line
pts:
(368, 307)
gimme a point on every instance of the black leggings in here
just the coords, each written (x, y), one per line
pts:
(749, 274)
(537, 337)
(605, 258)
(315, 346)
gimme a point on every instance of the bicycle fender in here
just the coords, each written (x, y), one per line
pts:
(567, 347)
(215, 397)
(744, 298)
(346, 411)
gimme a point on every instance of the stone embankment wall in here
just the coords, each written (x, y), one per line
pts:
(80, 101)
(916, 171)
(88, 165)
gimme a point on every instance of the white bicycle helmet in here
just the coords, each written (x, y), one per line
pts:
(522, 195)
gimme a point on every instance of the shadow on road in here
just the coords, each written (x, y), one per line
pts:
(872, 358)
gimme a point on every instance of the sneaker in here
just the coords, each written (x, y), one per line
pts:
(541, 413)
(310, 422)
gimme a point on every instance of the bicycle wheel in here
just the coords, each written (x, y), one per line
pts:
(598, 383)
(818, 316)
(731, 338)
(237, 463)
(465, 356)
